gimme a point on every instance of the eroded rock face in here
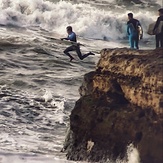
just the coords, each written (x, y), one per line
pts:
(139, 74)
(121, 103)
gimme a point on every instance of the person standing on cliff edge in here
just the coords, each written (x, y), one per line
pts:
(134, 31)
(158, 29)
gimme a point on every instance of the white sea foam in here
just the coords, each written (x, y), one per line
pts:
(87, 21)
(132, 155)
(47, 96)
(23, 158)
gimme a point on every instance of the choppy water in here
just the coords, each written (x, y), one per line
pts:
(38, 84)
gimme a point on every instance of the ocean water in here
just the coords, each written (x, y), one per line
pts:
(38, 84)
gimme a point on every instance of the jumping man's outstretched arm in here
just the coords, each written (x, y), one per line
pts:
(64, 38)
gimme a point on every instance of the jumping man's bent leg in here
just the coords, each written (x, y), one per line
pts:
(80, 55)
(67, 50)
(77, 48)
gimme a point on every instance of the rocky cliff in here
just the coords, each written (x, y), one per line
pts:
(121, 103)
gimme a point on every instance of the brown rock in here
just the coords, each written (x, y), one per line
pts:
(121, 103)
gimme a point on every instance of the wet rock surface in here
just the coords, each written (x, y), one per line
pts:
(121, 103)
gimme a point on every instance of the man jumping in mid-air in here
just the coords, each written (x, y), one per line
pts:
(75, 46)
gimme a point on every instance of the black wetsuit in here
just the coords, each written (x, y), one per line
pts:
(75, 47)
(159, 36)
(133, 33)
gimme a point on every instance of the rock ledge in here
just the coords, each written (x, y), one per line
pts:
(121, 103)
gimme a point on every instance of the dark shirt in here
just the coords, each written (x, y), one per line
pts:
(132, 26)
(135, 23)
(159, 19)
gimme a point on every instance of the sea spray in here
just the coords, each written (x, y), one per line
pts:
(132, 154)
(87, 20)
